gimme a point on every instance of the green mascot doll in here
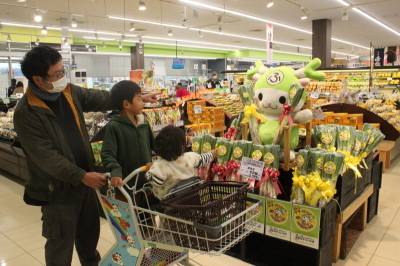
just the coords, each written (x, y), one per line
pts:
(272, 91)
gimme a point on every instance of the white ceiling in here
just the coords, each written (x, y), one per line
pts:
(95, 16)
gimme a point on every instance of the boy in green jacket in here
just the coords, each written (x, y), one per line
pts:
(128, 141)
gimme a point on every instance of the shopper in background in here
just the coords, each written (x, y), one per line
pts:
(19, 88)
(213, 81)
(174, 164)
(180, 92)
(129, 140)
(11, 89)
(51, 128)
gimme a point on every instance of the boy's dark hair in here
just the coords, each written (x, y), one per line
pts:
(19, 84)
(170, 143)
(38, 61)
(124, 90)
(13, 81)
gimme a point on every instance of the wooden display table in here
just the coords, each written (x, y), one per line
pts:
(385, 148)
(341, 218)
(219, 130)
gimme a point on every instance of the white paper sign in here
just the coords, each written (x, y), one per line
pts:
(203, 66)
(198, 109)
(6, 101)
(314, 95)
(196, 66)
(251, 168)
(318, 114)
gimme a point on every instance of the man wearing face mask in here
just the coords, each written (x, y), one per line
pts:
(51, 128)
(213, 80)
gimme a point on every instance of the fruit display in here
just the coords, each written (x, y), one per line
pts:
(232, 107)
(394, 82)
(324, 86)
(396, 75)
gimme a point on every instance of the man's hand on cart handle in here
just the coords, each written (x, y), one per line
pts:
(214, 152)
(94, 180)
(116, 181)
(150, 97)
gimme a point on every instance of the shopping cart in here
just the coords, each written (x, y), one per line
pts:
(147, 237)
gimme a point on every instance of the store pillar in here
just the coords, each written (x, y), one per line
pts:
(321, 41)
(137, 56)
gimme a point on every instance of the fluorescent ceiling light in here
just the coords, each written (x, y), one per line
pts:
(271, 3)
(170, 32)
(223, 10)
(148, 22)
(279, 52)
(370, 17)
(334, 39)
(44, 30)
(132, 27)
(102, 39)
(376, 21)
(174, 56)
(100, 32)
(185, 45)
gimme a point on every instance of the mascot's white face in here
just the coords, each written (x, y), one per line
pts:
(270, 101)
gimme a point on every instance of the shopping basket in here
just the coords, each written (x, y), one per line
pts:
(210, 204)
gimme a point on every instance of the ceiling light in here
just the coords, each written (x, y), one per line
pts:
(142, 5)
(220, 30)
(104, 45)
(101, 39)
(132, 27)
(21, 1)
(170, 32)
(304, 14)
(224, 10)
(66, 41)
(44, 30)
(149, 22)
(200, 34)
(37, 17)
(120, 45)
(9, 38)
(376, 21)
(270, 3)
(37, 41)
(74, 24)
(86, 45)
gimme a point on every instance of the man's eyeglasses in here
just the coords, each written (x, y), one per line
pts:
(59, 74)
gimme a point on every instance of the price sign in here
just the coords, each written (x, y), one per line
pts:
(198, 109)
(318, 114)
(179, 123)
(251, 168)
(314, 95)
(6, 101)
(196, 66)
(203, 66)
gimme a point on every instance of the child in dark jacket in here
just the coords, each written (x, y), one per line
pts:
(128, 141)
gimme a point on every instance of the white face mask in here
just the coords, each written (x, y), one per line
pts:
(59, 85)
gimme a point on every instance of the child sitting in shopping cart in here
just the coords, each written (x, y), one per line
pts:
(173, 164)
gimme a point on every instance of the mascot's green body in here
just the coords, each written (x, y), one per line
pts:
(272, 91)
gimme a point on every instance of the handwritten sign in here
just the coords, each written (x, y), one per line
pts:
(198, 109)
(251, 168)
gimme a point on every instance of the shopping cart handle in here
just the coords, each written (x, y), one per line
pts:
(135, 172)
(215, 231)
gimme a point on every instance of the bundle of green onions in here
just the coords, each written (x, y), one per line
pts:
(325, 137)
(345, 138)
(360, 143)
(240, 149)
(268, 184)
(196, 144)
(224, 147)
(302, 162)
(208, 143)
(376, 136)
(251, 114)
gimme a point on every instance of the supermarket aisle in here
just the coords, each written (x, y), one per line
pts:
(21, 242)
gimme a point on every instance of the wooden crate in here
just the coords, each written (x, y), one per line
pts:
(373, 203)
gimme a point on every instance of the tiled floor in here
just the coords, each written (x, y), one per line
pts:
(21, 242)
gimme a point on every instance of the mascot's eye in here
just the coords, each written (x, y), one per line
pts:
(260, 96)
(282, 99)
